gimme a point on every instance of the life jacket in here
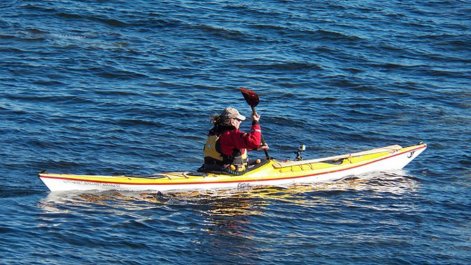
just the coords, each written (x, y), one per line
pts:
(214, 159)
(210, 151)
(239, 160)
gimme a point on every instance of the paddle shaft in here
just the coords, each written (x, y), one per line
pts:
(263, 140)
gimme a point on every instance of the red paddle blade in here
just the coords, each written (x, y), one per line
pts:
(250, 96)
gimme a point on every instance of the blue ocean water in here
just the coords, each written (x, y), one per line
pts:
(111, 87)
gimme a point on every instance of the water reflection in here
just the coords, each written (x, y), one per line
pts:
(224, 223)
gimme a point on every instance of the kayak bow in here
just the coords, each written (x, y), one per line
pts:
(270, 173)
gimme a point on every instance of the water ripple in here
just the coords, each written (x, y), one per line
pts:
(129, 88)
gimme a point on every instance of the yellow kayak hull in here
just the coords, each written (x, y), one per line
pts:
(270, 173)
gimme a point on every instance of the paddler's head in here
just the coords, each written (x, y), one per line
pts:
(231, 116)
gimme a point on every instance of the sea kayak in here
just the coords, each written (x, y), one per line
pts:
(267, 173)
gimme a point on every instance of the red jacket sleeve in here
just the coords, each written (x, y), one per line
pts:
(236, 139)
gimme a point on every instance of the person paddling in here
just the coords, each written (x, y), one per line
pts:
(226, 146)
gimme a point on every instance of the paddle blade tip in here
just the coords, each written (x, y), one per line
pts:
(250, 96)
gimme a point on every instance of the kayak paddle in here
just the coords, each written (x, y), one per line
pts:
(252, 99)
